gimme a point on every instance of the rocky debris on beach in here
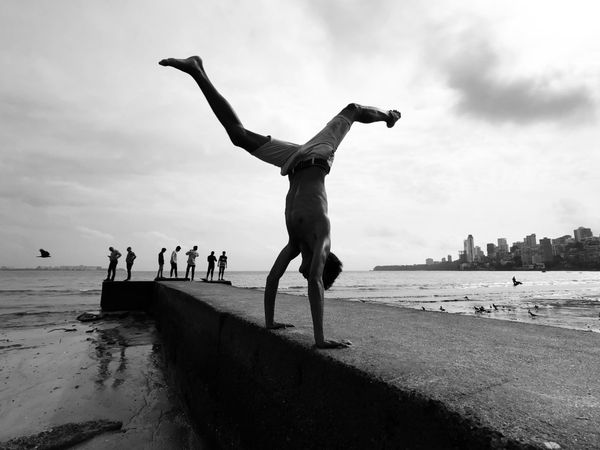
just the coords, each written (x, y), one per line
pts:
(90, 317)
(62, 436)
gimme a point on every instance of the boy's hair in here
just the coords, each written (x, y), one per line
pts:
(333, 267)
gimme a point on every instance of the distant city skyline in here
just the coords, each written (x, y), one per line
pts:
(529, 251)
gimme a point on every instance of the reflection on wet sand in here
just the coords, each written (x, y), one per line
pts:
(113, 338)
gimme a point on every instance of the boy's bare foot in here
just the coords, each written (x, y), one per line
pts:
(277, 326)
(187, 65)
(334, 344)
(394, 117)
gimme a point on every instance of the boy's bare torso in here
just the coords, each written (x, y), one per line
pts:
(306, 210)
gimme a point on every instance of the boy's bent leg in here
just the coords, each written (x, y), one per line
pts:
(369, 114)
(289, 252)
(240, 136)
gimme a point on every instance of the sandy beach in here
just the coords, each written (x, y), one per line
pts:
(89, 375)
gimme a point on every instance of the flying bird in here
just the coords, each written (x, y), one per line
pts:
(44, 253)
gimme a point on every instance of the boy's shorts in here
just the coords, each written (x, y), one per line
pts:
(322, 146)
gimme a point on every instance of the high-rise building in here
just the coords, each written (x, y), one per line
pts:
(502, 246)
(582, 233)
(560, 245)
(529, 252)
(469, 249)
(429, 261)
(478, 254)
(449, 258)
(491, 250)
(530, 241)
(546, 251)
(515, 248)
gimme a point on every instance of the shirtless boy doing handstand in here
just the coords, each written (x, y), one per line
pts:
(306, 166)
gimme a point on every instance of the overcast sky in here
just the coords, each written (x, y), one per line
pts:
(102, 146)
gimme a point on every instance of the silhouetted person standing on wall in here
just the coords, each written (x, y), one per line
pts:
(161, 263)
(129, 262)
(211, 265)
(306, 202)
(222, 264)
(173, 262)
(191, 262)
(112, 265)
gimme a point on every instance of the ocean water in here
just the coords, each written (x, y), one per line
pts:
(563, 299)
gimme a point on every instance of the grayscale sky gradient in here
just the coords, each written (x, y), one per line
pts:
(101, 146)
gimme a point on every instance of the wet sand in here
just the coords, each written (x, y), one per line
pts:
(75, 372)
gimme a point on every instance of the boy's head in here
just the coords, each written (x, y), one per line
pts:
(333, 267)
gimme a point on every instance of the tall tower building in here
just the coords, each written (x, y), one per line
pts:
(470, 248)
(502, 246)
(546, 250)
(581, 233)
(530, 241)
(529, 251)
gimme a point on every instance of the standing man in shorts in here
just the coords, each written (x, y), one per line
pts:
(306, 202)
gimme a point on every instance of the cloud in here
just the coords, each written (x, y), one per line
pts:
(354, 25)
(474, 72)
(383, 232)
(155, 236)
(570, 212)
(95, 234)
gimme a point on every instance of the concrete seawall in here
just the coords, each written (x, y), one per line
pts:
(412, 379)
(130, 295)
